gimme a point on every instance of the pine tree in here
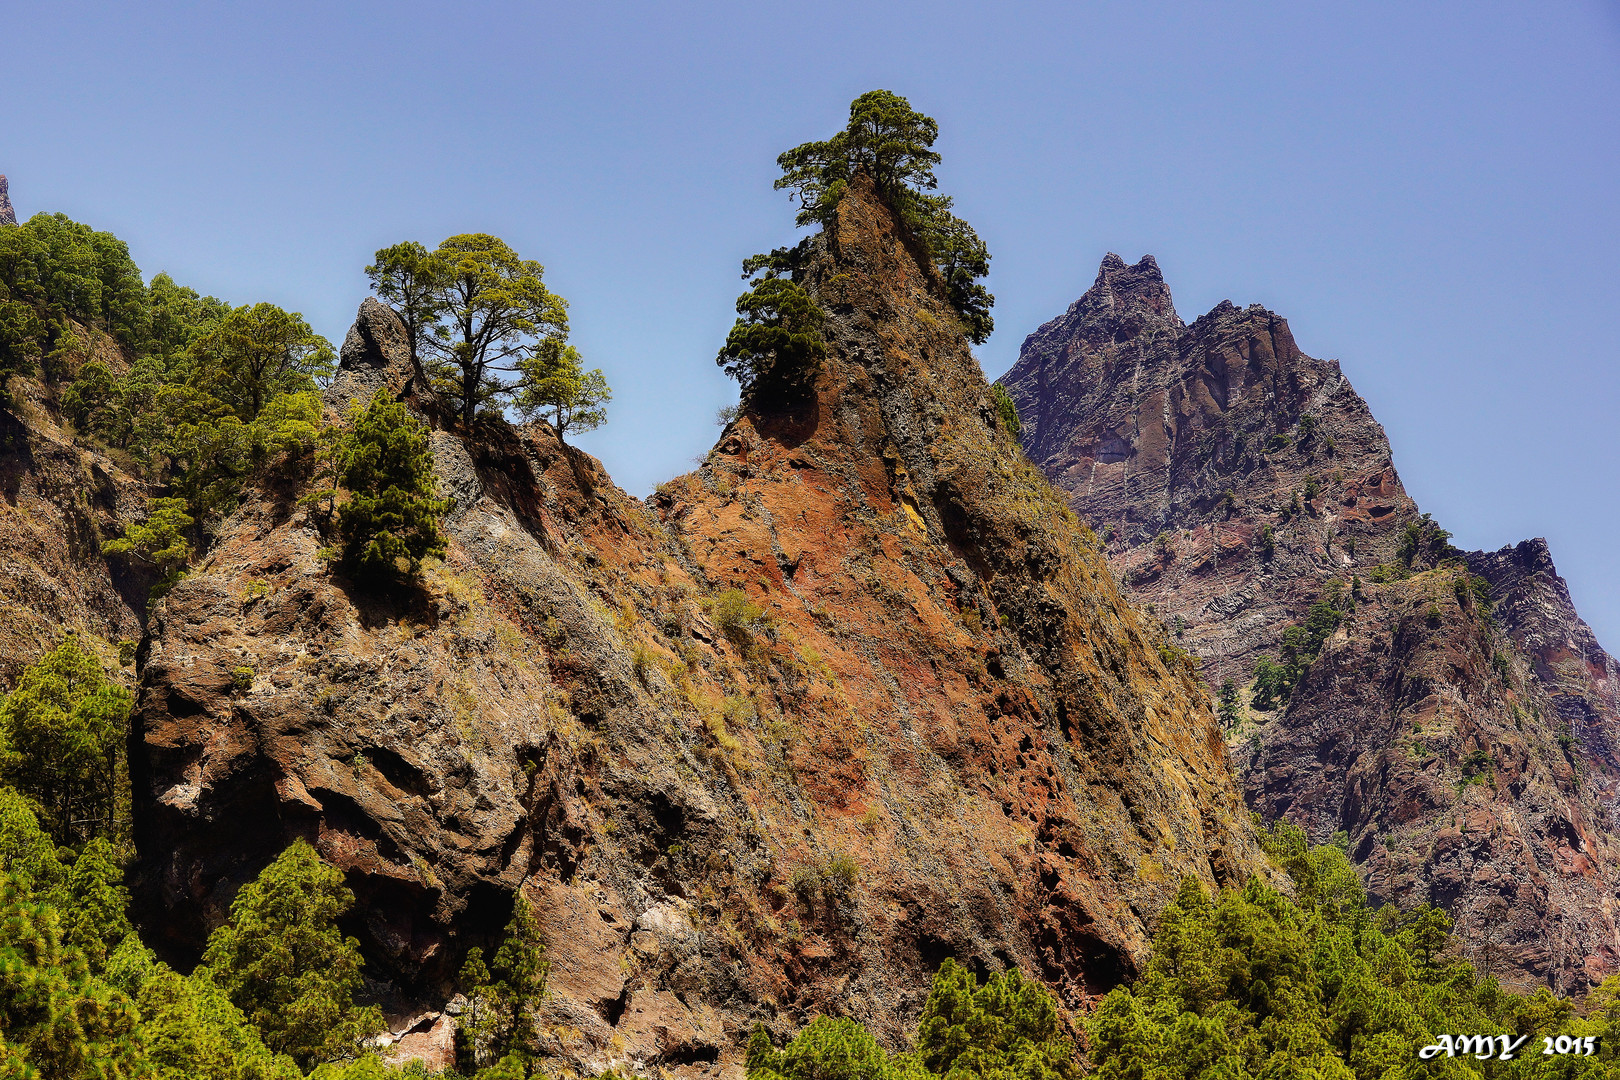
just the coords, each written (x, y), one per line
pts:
(283, 961)
(1008, 1028)
(492, 306)
(1231, 705)
(775, 349)
(94, 920)
(57, 1020)
(390, 521)
(254, 353)
(159, 541)
(64, 728)
(498, 1023)
(892, 143)
(554, 383)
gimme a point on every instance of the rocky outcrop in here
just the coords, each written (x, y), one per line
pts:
(8, 216)
(857, 695)
(1183, 445)
(1533, 606)
(376, 355)
(1465, 753)
(1426, 739)
(59, 500)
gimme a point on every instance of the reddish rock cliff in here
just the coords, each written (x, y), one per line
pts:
(856, 695)
(1467, 755)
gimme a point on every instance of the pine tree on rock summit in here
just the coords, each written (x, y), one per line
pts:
(493, 305)
(892, 143)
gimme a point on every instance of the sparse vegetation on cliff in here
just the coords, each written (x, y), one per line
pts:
(1275, 679)
(1006, 412)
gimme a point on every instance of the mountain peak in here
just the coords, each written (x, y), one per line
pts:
(1141, 285)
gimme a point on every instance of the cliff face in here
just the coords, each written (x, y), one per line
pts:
(1580, 679)
(856, 695)
(59, 499)
(1146, 424)
(1467, 753)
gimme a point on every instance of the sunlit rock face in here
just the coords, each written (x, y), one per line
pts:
(856, 695)
(1467, 754)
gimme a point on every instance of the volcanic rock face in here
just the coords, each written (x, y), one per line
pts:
(857, 695)
(1147, 424)
(61, 499)
(1534, 608)
(8, 216)
(1467, 754)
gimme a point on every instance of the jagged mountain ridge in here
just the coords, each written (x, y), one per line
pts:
(929, 727)
(1184, 444)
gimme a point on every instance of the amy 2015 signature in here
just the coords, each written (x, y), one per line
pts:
(1503, 1047)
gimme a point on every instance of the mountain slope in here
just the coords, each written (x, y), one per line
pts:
(857, 695)
(1455, 739)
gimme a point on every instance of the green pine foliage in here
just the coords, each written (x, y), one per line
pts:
(1276, 678)
(55, 272)
(776, 347)
(162, 541)
(892, 143)
(497, 1030)
(1424, 542)
(390, 521)
(487, 332)
(1006, 411)
(1231, 705)
(57, 1019)
(555, 385)
(485, 309)
(183, 390)
(1007, 1029)
(63, 731)
(282, 960)
(1252, 984)
(189, 1028)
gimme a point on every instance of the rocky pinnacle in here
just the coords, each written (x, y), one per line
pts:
(8, 216)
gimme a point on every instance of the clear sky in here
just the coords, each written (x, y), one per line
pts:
(1427, 191)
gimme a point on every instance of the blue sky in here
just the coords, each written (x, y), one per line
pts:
(1428, 192)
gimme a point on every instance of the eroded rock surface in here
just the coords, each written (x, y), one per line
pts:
(8, 216)
(60, 498)
(1468, 756)
(1147, 424)
(857, 695)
